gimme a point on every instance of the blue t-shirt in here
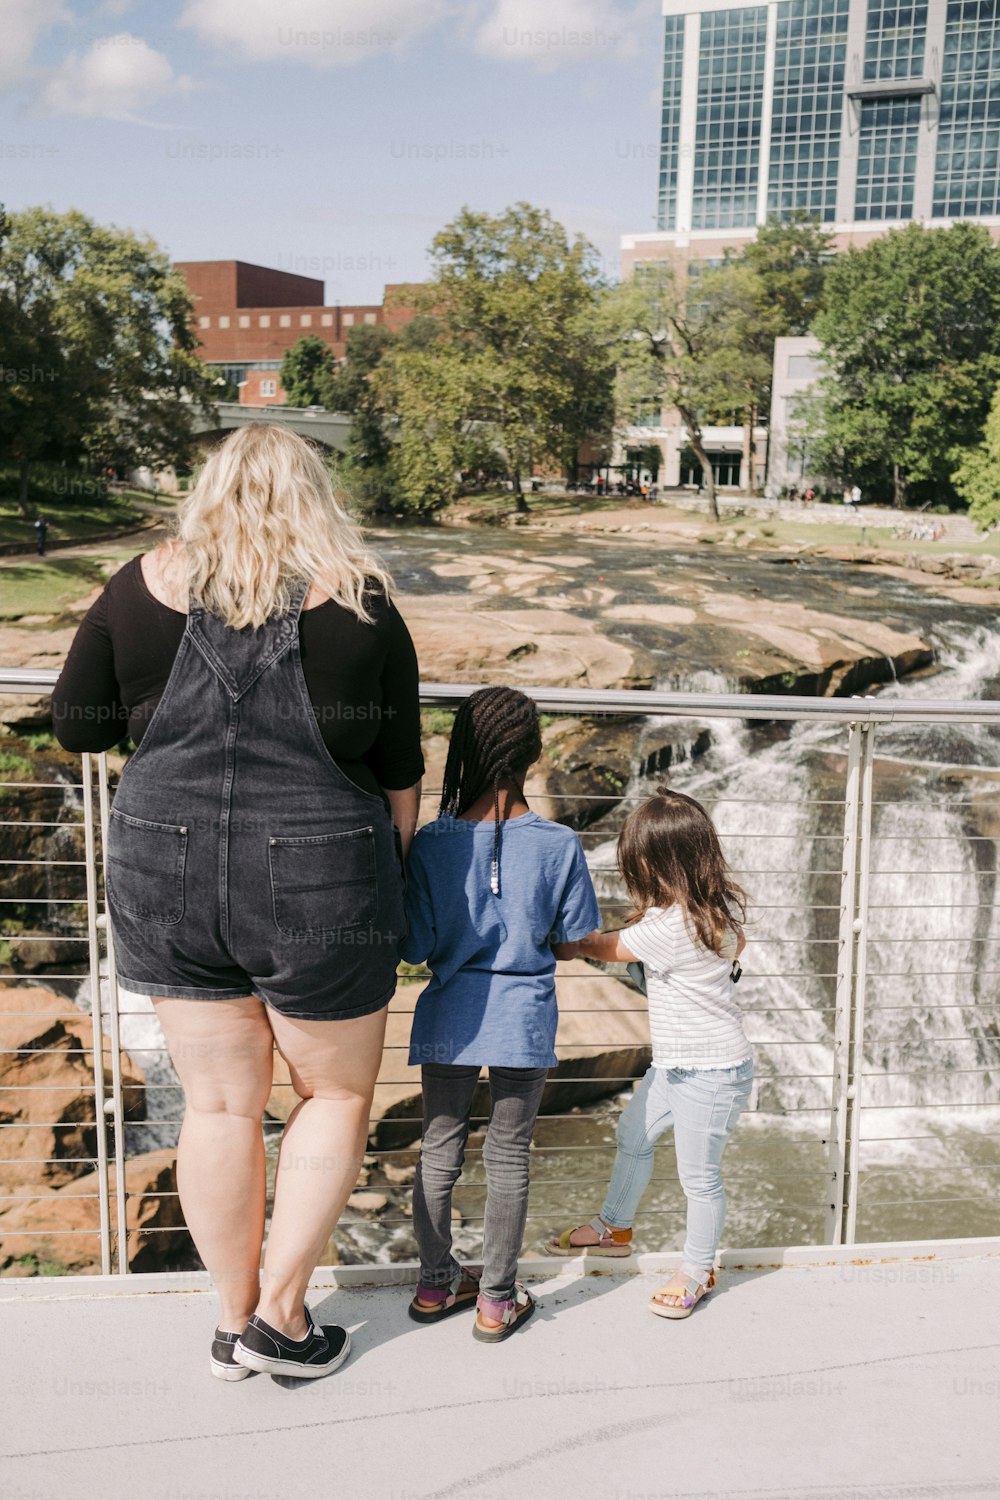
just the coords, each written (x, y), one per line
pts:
(491, 1000)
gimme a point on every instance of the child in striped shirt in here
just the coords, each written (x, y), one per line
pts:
(687, 937)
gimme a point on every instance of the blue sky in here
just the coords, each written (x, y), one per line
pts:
(332, 137)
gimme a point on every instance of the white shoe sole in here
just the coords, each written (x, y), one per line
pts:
(265, 1365)
(227, 1372)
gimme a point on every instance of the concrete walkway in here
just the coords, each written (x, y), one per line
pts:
(849, 1382)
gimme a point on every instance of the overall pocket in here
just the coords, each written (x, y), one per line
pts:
(144, 868)
(323, 884)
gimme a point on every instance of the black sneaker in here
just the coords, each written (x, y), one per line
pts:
(222, 1363)
(261, 1347)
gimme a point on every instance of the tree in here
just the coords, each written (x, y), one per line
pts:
(98, 346)
(910, 335)
(791, 258)
(699, 343)
(977, 478)
(306, 371)
(513, 300)
(368, 463)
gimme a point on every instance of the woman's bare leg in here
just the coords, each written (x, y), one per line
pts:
(223, 1051)
(333, 1067)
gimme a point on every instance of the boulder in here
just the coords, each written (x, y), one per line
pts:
(603, 1039)
(58, 1233)
(42, 831)
(47, 1088)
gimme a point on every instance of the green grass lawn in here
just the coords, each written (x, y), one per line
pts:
(46, 585)
(70, 519)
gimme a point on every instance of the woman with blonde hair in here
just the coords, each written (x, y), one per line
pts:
(253, 867)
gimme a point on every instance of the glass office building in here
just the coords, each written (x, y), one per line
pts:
(864, 112)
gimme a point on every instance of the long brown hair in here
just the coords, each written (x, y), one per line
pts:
(669, 852)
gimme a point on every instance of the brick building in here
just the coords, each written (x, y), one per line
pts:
(247, 317)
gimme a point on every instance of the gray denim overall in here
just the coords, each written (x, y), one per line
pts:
(241, 860)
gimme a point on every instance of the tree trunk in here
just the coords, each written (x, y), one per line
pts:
(22, 487)
(698, 449)
(520, 504)
(746, 459)
(899, 487)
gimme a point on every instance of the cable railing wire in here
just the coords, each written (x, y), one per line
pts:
(809, 1108)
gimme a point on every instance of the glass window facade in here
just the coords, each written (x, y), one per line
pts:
(895, 39)
(967, 174)
(810, 60)
(887, 158)
(727, 132)
(889, 138)
(818, 117)
(670, 126)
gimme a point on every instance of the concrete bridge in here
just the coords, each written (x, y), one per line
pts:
(327, 428)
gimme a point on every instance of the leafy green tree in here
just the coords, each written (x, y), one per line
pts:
(791, 258)
(696, 342)
(368, 464)
(99, 347)
(910, 335)
(977, 478)
(514, 301)
(306, 371)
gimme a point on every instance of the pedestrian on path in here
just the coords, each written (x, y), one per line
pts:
(253, 868)
(41, 533)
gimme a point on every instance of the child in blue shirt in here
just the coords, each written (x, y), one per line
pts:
(490, 887)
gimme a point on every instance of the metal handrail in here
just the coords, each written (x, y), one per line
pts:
(614, 702)
(832, 1130)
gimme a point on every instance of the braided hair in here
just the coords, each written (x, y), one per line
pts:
(495, 738)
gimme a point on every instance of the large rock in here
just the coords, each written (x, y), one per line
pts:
(47, 1088)
(42, 833)
(603, 1038)
(458, 642)
(59, 1232)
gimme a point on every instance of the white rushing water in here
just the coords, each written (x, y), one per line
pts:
(932, 1030)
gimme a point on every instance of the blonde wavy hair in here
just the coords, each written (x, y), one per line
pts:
(263, 514)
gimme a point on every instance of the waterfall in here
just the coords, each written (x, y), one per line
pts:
(933, 930)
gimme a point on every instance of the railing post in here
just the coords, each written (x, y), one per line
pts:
(837, 1155)
(856, 1053)
(852, 966)
(94, 960)
(117, 1102)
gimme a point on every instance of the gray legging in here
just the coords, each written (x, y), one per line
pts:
(515, 1094)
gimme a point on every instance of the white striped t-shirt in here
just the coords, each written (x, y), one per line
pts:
(694, 1020)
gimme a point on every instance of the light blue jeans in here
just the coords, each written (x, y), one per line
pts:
(703, 1106)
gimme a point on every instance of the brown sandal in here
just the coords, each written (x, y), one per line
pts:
(510, 1314)
(612, 1242)
(460, 1292)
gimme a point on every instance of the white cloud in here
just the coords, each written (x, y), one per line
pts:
(22, 21)
(560, 32)
(322, 33)
(114, 77)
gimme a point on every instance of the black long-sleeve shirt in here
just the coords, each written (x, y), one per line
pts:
(362, 679)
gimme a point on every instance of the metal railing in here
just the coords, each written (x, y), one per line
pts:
(877, 1032)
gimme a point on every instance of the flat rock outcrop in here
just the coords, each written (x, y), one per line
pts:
(47, 1088)
(603, 1037)
(58, 1233)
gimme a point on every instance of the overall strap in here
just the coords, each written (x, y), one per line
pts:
(239, 657)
